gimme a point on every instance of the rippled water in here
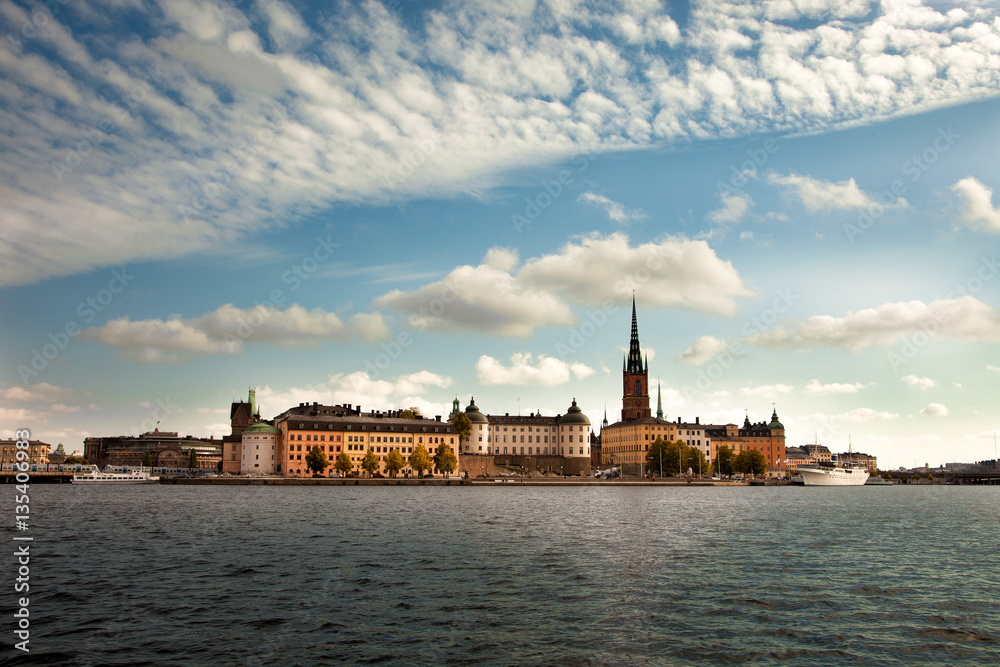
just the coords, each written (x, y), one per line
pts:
(531, 575)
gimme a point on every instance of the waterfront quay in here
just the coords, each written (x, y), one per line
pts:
(453, 481)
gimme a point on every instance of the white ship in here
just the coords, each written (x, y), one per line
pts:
(834, 473)
(95, 476)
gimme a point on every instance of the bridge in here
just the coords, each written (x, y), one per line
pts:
(989, 477)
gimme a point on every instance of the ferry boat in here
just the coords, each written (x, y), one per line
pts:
(834, 473)
(95, 476)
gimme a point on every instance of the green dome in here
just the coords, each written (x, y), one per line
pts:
(260, 427)
(775, 424)
(574, 416)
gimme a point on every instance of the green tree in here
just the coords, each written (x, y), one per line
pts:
(193, 459)
(420, 460)
(370, 463)
(673, 454)
(657, 458)
(694, 459)
(316, 460)
(394, 463)
(343, 464)
(407, 414)
(75, 460)
(445, 459)
(750, 461)
(147, 459)
(723, 463)
(462, 424)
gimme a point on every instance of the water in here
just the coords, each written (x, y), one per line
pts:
(188, 575)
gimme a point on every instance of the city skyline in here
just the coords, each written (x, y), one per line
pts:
(388, 205)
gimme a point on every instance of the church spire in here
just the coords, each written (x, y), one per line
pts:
(659, 400)
(634, 365)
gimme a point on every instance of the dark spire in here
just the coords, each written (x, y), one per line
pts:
(634, 365)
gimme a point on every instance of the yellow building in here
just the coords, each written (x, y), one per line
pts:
(344, 428)
(38, 452)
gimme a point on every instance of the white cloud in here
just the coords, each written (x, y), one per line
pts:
(921, 382)
(545, 372)
(494, 298)
(964, 318)
(978, 211)
(817, 195)
(767, 390)
(991, 367)
(236, 132)
(734, 207)
(359, 389)
(616, 212)
(225, 330)
(815, 387)
(40, 392)
(855, 415)
(702, 350)
(934, 410)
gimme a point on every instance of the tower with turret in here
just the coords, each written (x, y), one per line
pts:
(635, 378)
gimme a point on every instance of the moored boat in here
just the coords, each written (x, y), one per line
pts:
(835, 473)
(95, 476)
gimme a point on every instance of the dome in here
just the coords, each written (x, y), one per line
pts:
(775, 424)
(574, 415)
(260, 427)
(473, 413)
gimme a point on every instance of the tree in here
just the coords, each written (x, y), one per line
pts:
(657, 459)
(147, 459)
(750, 461)
(343, 464)
(394, 463)
(445, 459)
(193, 459)
(462, 424)
(420, 460)
(75, 460)
(316, 460)
(672, 455)
(370, 463)
(723, 463)
(695, 460)
(407, 414)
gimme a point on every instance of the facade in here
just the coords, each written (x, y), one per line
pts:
(38, 452)
(344, 428)
(259, 449)
(241, 415)
(163, 445)
(868, 460)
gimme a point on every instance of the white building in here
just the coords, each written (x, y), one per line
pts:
(260, 449)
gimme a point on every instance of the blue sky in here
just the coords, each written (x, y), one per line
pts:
(393, 204)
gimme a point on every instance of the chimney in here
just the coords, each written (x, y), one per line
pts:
(437, 418)
(697, 420)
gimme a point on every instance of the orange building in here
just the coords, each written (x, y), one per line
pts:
(343, 428)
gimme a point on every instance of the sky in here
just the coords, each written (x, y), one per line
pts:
(394, 204)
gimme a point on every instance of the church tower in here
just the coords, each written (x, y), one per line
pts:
(635, 378)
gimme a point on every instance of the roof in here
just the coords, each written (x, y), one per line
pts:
(260, 427)
(574, 415)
